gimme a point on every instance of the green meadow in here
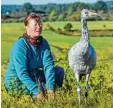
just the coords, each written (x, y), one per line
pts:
(92, 25)
(101, 81)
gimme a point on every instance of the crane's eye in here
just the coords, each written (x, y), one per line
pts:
(86, 12)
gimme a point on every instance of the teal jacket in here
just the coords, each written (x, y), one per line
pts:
(26, 60)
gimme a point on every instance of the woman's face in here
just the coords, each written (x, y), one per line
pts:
(34, 28)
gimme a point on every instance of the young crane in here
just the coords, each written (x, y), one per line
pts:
(82, 56)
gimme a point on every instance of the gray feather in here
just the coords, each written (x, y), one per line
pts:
(82, 56)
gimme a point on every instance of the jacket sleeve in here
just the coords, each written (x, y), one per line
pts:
(20, 61)
(48, 64)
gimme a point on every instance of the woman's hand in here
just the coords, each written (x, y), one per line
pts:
(40, 97)
(50, 94)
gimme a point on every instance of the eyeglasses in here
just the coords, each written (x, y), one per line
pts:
(35, 25)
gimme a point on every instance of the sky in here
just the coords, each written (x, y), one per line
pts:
(36, 2)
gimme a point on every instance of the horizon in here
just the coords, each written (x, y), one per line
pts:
(44, 2)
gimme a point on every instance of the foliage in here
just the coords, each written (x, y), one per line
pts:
(62, 16)
(27, 7)
(101, 80)
(61, 12)
(68, 26)
(52, 16)
(64, 29)
(101, 5)
(100, 92)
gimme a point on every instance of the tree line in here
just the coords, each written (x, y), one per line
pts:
(58, 12)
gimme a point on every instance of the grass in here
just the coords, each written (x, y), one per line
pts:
(101, 81)
(92, 25)
(54, 39)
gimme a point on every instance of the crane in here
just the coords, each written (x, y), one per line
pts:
(82, 56)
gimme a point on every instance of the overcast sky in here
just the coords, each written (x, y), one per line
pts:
(36, 2)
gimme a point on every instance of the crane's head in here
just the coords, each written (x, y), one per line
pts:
(85, 14)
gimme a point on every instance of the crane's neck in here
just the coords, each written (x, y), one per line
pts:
(85, 35)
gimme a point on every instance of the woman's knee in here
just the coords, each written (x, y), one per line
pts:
(59, 75)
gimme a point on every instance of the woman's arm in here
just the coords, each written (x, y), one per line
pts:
(20, 60)
(48, 64)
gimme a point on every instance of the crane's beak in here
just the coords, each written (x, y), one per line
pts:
(92, 13)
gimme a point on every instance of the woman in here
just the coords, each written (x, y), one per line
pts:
(31, 64)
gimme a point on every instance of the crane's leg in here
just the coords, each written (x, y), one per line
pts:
(78, 86)
(87, 86)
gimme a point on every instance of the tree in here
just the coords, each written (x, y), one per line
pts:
(52, 16)
(62, 17)
(27, 7)
(70, 10)
(101, 5)
(68, 26)
(83, 6)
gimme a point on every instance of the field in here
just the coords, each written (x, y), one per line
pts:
(77, 24)
(101, 81)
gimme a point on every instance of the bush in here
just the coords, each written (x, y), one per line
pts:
(68, 26)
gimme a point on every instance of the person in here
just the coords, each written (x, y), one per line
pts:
(31, 68)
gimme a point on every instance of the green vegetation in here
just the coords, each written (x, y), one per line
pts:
(71, 28)
(68, 26)
(101, 81)
(92, 25)
(57, 12)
